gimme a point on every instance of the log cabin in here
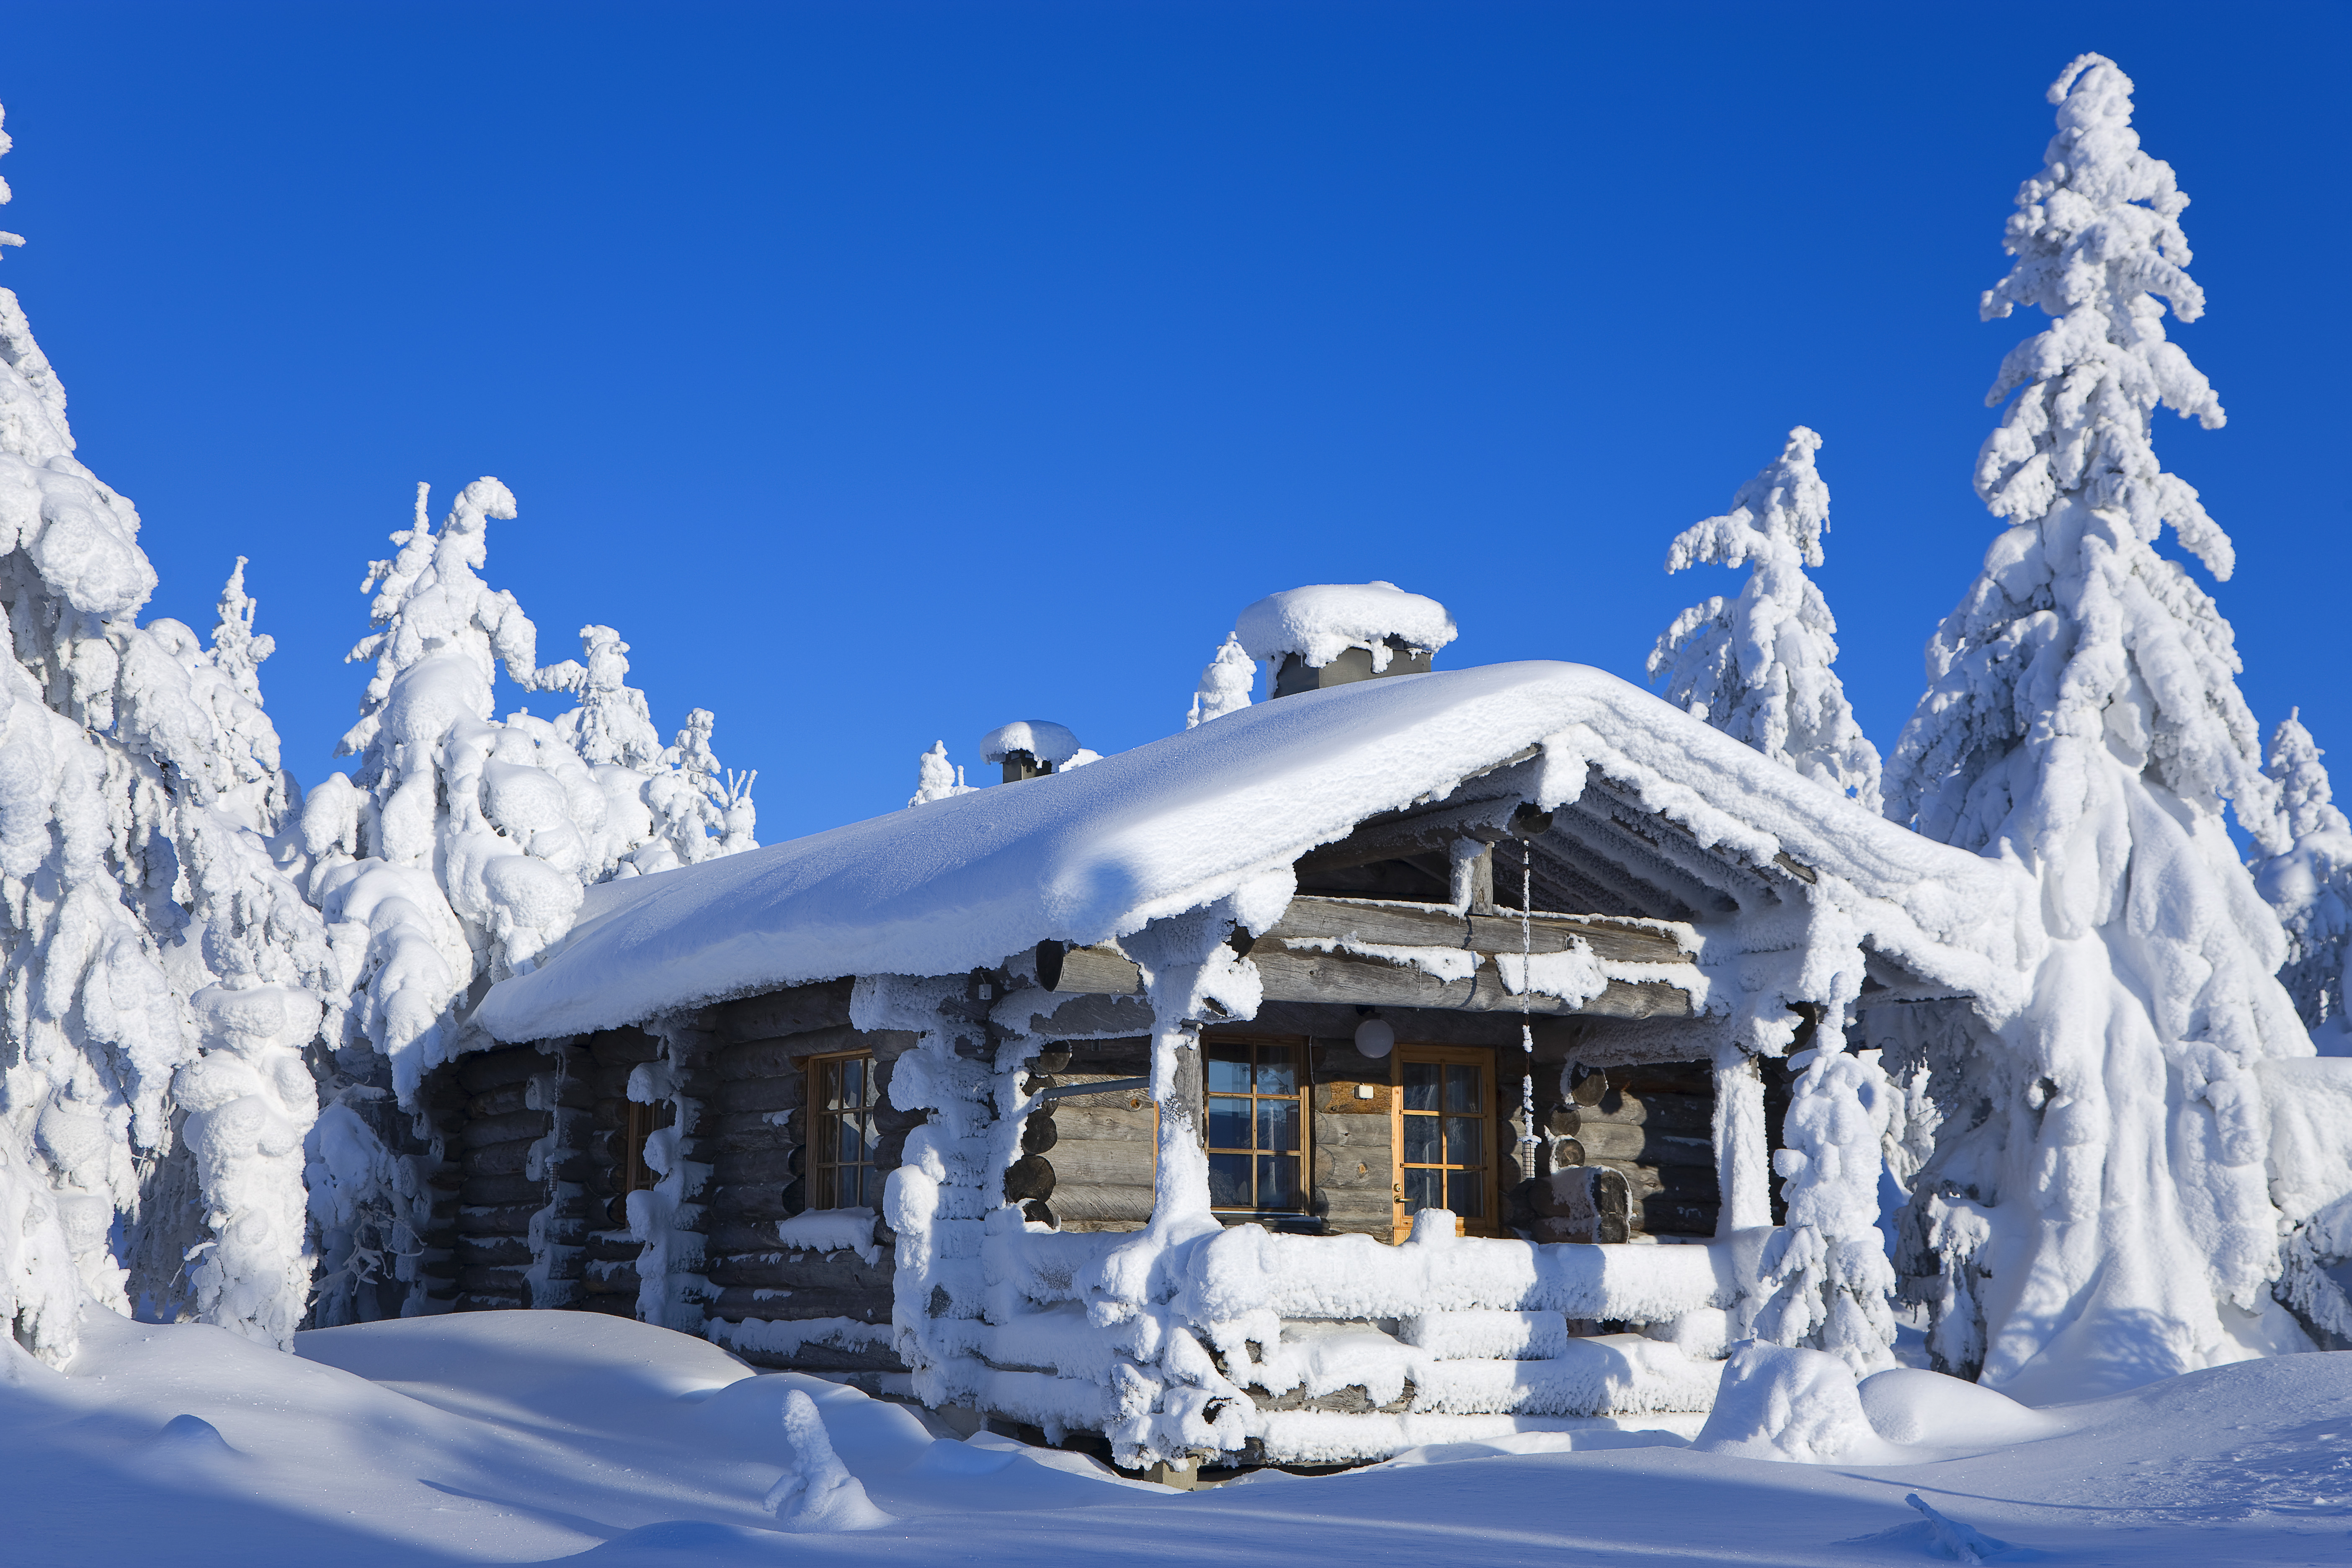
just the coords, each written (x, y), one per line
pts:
(1401, 1059)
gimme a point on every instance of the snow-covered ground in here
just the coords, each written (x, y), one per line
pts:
(541, 1436)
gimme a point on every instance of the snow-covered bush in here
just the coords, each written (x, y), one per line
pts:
(1758, 666)
(2100, 1176)
(2309, 883)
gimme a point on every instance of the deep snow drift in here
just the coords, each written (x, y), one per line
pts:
(543, 1437)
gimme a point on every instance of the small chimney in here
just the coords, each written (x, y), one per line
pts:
(1332, 634)
(1029, 747)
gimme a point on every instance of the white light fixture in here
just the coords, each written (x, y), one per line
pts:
(1374, 1038)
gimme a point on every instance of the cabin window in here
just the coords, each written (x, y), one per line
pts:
(1445, 1136)
(1257, 1122)
(841, 1098)
(639, 1123)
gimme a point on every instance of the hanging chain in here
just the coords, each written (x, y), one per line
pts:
(1528, 1138)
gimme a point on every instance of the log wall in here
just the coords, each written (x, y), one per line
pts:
(532, 1207)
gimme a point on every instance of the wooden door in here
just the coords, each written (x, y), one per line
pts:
(1443, 1136)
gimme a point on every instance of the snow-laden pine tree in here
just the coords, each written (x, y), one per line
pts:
(2309, 883)
(2100, 1174)
(163, 978)
(1758, 666)
(459, 849)
(1224, 685)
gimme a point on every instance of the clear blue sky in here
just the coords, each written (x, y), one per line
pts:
(887, 371)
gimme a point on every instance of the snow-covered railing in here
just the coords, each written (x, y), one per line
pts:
(1250, 1269)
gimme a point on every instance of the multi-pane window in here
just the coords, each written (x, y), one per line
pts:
(1257, 1148)
(841, 1142)
(1444, 1134)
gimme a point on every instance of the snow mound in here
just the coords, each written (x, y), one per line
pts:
(1778, 1403)
(1927, 1409)
(1321, 622)
(817, 1491)
(1040, 737)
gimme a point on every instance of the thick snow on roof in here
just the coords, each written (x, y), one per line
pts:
(1040, 737)
(1321, 622)
(1099, 852)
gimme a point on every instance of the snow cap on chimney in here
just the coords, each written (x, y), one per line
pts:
(1331, 633)
(1029, 747)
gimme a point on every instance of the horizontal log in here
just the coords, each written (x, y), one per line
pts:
(745, 1167)
(498, 1219)
(525, 1124)
(1101, 1121)
(748, 1201)
(490, 1190)
(487, 1280)
(493, 1251)
(1089, 1161)
(1682, 1184)
(782, 1092)
(1660, 1213)
(739, 1301)
(824, 1005)
(1692, 1115)
(822, 1358)
(1369, 1133)
(485, 1070)
(1098, 970)
(1643, 1079)
(1614, 941)
(1078, 1016)
(744, 1131)
(498, 1159)
(1294, 974)
(1434, 829)
(803, 1271)
(503, 1101)
(1645, 1145)
(1103, 1202)
(623, 1047)
(788, 1054)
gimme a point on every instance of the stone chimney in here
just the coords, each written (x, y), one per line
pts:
(1029, 747)
(1332, 634)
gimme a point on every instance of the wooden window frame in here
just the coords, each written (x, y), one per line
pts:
(822, 1172)
(1301, 1095)
(1478, 1056)
(640, 1121)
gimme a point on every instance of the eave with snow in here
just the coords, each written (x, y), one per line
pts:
(1137, 1176)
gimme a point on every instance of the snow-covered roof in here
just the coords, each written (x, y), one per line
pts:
(1099, 852)
(1040, 737)
(1321, 622)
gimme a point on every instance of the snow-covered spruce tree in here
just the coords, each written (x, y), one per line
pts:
(2099, 1177)
(1757, 667)
(162, 978)
(1224, 685)
(2309, 883)
(459, 849)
